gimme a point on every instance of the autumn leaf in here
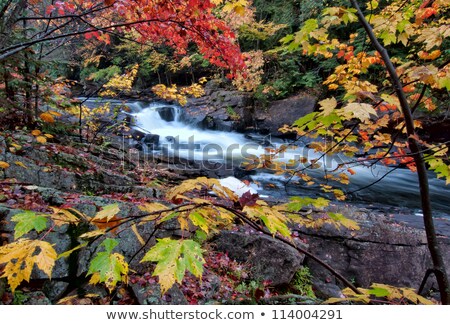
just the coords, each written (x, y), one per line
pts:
(4, 164)
(361, 111)
(21, 164)
(47, 117)
(174, 258)
(108, 267)
(63, 216)
(108, 212)
(41, 139)
(27, 221)
(21, 256)
(36, 132)
(275, 221)
(327, 106)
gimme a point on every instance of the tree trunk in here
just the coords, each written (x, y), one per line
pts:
(433, 245)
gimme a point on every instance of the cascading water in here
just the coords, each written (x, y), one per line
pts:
(399, 188)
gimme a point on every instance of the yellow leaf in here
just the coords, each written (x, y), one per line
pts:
(108, 212)
(21, 164)
(49, 136)
(21, 256)
(361, 111)
(47, 117)
(41, 139)
(93, 233)
(4, 164)
(57, 114)
(153, 207)
(327, 106)
(63, 216)
(36, 132)
(138, 235)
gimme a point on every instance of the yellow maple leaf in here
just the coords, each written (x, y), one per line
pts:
(361, 111)
(21, 256)
(327, 106)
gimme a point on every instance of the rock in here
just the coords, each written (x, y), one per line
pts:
(151, 139)
(324, 290)
(36, 298)
(269, 259)
(150, 294)
(137, 134)
(55, 289)
(281, 112)
(167, 113)
(381, 251)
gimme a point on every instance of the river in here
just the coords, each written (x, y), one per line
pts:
(398, 190)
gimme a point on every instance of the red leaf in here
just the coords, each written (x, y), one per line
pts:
(248, 199)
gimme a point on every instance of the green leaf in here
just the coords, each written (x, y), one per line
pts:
(388, 38)
(273, 220)
(378, 292)
(108, 267)
(27, 221)
(199, 221)
(373, 5)
(344, 221)
(173, 258)
(297, 203)
(305, 119)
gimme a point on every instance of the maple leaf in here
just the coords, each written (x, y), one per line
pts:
(108, 212)
(108, 267)
(327, 106)
(47, 117)
(63, 216)
(27, 221)
(275, 221)
(248, 199)
(20, 258)
(173, 258)
(360, 111)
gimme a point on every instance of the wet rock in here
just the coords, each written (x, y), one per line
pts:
(270, 259)
(151, 139)
(137, 134)
(167, 113)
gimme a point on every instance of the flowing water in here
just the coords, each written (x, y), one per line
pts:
(229, 149)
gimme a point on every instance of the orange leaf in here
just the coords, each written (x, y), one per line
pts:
(36, 133)
(41, 139)
(47, 117)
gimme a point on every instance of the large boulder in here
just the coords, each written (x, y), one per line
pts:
(286, 111)
(382, 251)
(269, 259)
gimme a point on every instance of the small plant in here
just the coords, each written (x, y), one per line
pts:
(232, 113)
(302, 282)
